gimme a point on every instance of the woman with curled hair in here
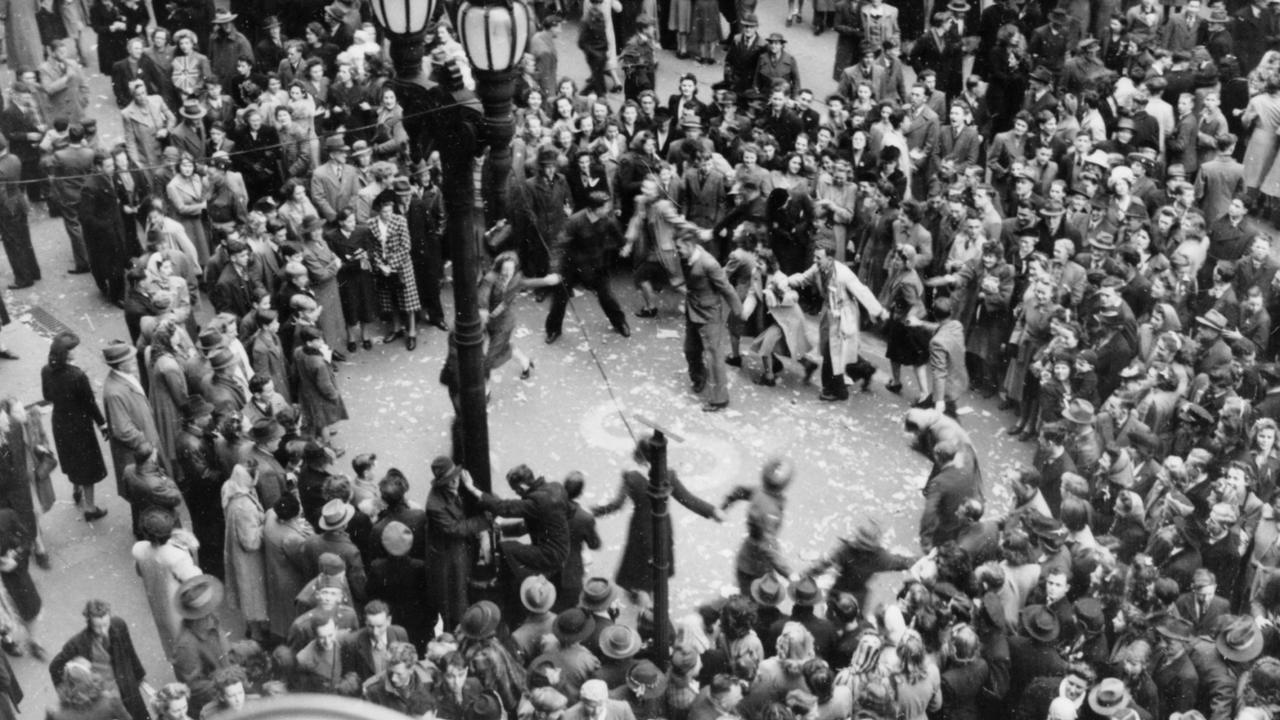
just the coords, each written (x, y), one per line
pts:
(917, 684)
(966, 674)
(781, 673)
(171, 702)
(82, 696)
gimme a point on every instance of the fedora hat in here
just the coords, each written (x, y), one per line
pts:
(805, 592)
(401, 185)
(646, 680)
(573, 626)
(443, 470)
(196, 406)
(1175, 628)
(265, 429)
(597, 594)
(1103, 241)
(223, 16)
(222, 359)
(1053, 208)
(310, 224)
(958, 6)
(619, 642)
(270, 21)
(335, 11)
(1087, 44)
(749, 20)
(537, 594)
(118, 351)
(192, 109)
(548, 155)
(1213, 320)
(1218, 15)
(1042, 75)
(336, 514)
(335, 143)
(777, 37)
(480, 621)
(1039, 623)
(1089, 614)
(1108, 697)
(691, 121)
(768, 590)
(210, 340)
(397, 538)
(361, 147)
(1240, 640)
(199, 597)
(1079, 411)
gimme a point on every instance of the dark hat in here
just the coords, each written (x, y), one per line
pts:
(1270, 373)
(210, 340)
(336, 514)
(1042, 75)
(335, 143)
(196, 406)
(1088, 355)
(335, 11)
(548, 155)
(1103, 240)
(1089, 614)
(1078, 410)
(1219, 15)
(331, 564)
(400, 185)
(805, 592)
(1043, 527)
(199, 597)
(266, 428)
(644, 20)
(310, 224)
(573, 626)
(867, 47)
(485, 706)
(748, 20)
(314, 454)
(480, 621)
(1053, 208)
(397, 538)
(598, 594)
(222, 359)
(118, 351)
(768, 590)
(443, 469)
(777, 37)
(1125, 123)
(647, 680)
(1057, 14)
(1240, 640)
(619, 642)
(1109, 697)
(537, 594)
(1039, 623)
(220, 159)
(270, 21)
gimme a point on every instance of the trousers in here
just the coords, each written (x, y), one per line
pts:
(704, 353)
(599, 284)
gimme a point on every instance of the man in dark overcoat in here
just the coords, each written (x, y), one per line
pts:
(451, 533)
(106, 637)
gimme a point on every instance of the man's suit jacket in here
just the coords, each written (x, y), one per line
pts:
(1178, 35)
(857, 74)
(613, 710)
(333, 188)
(190, 139)
(129, 419)
(709, 291)
(923, 131)
(1219, 181)
(694, 106)
(964, 147)
(357, 650)
(123, 72)
(705, 202)
(71, 166)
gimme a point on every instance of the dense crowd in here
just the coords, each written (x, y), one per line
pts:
(1079, 225)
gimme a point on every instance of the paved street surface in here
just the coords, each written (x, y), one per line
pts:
(852, 460)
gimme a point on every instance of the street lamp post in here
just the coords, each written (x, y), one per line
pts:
(659, 494)
(493, 34)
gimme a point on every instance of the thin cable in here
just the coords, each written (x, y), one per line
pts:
(595, 356)
(276, 146)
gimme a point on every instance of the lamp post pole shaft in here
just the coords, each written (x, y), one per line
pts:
(659, 492)
(495, 90)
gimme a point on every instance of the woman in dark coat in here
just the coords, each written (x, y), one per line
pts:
(635, 571)
(112, 28)
(104, 229)
(75, 412)
(132, 191)
(357, 288)
(400, 581)
(450, 535)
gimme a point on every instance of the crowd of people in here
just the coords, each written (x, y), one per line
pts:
(1063, 207)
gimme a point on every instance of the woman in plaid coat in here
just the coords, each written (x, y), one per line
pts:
(397, 289)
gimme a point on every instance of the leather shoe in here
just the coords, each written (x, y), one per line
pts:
(734, 361)
(832, 397)
(439, 324)
(552, 336)
(714, 407)
(351, 346)
(367, 344)
(624, 329)
(77, 271)
(411, 342)
(392, 337)
(96, 514)
(698, 387)
(7, 355)
(20, 286)
(647, 312)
